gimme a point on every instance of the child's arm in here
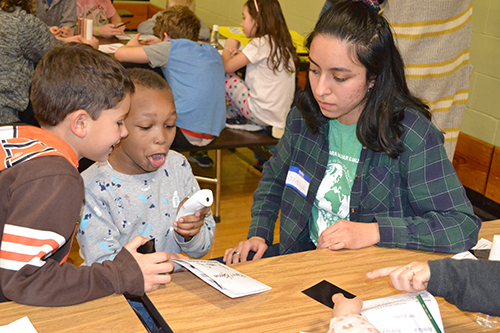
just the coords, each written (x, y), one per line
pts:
(231, 58)
(132, 52)
(347, 318)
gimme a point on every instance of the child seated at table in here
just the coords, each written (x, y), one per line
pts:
(41, 191)
(139, 190)
(194, 72)
(146, 27)
(266, 94)
(104, 16)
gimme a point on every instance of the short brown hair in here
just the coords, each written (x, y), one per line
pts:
(188, 3)
(177, 22)
(77, 77)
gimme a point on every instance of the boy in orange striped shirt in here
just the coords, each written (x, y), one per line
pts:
(81, 98)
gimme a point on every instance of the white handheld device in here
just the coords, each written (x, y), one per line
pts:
(199, 200)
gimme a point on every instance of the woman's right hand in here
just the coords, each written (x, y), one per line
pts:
(240, 252)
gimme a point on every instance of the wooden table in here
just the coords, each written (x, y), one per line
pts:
(190, 305)
(108, 314)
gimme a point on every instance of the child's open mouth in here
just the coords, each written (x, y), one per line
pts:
(157, 160)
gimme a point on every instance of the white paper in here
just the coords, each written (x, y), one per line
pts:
(402, 313)
(22, 325)
(130, 36)
(236, 30)
(495, 248)
(482, 244)
(110, 48)
(223, 278)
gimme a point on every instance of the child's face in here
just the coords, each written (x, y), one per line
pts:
(151, 127)
(248, 24)
(338, 83)
(106, 131)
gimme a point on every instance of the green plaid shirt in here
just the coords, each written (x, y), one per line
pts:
(416, 199)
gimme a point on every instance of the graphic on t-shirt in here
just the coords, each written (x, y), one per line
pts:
(97, 13)
(331, 193)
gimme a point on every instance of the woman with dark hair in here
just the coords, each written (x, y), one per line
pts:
(360, 163)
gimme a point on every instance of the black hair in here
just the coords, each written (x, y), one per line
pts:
(370, 35)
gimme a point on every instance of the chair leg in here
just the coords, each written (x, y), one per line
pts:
(218, 168)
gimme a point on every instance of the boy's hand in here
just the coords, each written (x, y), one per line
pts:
(190, 225)
(134, 42)
(152, 265)
(94, 42)
(344, 306)
(150, 41)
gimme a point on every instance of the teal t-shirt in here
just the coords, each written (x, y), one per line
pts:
(334, 193)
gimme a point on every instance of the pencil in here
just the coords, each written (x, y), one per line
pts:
(428, 313)
(121, 25)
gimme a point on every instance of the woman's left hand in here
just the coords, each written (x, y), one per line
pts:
(349, 235)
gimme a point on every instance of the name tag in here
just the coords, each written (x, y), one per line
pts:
(298, 180)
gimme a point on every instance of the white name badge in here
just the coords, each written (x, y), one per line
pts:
(298, 180)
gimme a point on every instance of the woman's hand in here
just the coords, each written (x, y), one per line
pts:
(412, 277)
(240, 252)
(349, 235)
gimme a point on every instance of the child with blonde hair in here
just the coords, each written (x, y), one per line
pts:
(266, 95)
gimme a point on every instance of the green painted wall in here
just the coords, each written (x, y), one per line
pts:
(482, 117)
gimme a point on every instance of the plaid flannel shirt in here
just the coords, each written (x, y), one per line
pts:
(416, 199)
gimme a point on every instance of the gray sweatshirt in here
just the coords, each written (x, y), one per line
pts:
(119, 207)
(472, 285)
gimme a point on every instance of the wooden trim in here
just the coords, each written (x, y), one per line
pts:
(152, 10)
(472, 162)
(493, 185)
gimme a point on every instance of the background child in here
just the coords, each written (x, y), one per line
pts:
(146, 27)
(194, 72)
(41, 191)
(24, 39)
(265, 96)
(59, 15)
(138, 191)
(104, 17)
(360, 163)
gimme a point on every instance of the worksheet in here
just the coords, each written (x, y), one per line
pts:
(223, 278)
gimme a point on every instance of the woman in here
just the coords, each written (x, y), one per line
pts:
(360, 162)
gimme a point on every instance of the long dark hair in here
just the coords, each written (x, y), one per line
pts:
(378, 126)
(270, 21)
